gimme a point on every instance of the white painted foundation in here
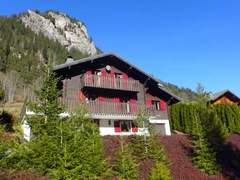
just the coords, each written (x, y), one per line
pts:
(106, 126)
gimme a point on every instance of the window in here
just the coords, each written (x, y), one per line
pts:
(117, 83)
(156, 105)
(125, 126)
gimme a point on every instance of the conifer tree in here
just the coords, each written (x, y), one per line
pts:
(125, 167)
(160, 172)
(204, 156)
(202, 95)
(62, 148)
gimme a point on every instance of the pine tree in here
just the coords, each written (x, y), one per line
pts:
(125, 167)
(204, 156)
(160, 172)
(202, 95)
(62, 148)
(216, 132)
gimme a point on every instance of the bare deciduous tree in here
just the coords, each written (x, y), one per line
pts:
(9, 83)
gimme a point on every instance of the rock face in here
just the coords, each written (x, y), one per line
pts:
(59, 27)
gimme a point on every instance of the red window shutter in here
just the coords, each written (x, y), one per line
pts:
(163, 105)
(89, 72)
(104, 72)
(117, 104)
(134, 128)
(125, 76)
(89, 77)
(112, 75)
(104, 81)
(118, 100)
(125, 82)
(101, 99)
(117, 127)
(149, 103)
(133, 105)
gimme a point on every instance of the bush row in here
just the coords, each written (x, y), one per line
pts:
(183, 116)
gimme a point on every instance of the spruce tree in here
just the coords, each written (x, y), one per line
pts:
(160, 172)
(124, 166)
(204, 156)
(62, 148)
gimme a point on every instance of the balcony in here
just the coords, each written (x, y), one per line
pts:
(111, 110)
(110, 83)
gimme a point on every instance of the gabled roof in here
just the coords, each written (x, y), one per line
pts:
(101, 57)
(226, 92)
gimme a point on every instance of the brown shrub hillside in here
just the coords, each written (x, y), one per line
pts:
(111, 144)
(229, 157)
(179, 151)
(20, 175)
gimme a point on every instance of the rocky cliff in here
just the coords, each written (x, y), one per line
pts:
(58, 26)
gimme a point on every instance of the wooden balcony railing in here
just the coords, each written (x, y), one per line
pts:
(111, 108)
(110, 82)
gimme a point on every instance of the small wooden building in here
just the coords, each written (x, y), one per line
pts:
(224, 97)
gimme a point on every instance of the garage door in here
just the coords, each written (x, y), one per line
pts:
(159, 129)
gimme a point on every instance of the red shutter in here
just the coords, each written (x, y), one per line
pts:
(163, 105)
(117, 127)
(104, 81)
(117, 104)
(125, 80)
(112, 75)
(104, 72)
(134, 128)
(133, 105)
(149, 103)
(89, 77)
(101, 99)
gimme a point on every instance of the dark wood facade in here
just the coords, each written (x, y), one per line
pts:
(108, 85)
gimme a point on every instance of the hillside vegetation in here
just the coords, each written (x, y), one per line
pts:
(21, 54)
(22, 51)
(186, 94)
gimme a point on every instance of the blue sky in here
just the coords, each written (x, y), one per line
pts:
(182, 42)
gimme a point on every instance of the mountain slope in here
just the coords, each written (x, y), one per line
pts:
(28, 39)
(21, 49)
(22, 52)
(185, 93)
(60, 27)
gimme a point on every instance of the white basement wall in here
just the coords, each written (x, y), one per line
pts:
(106, 128)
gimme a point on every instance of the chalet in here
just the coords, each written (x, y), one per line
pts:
(224, 97)
(113, 90)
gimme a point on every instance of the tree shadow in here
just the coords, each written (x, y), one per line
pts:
(229, 159)
(6, 120)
